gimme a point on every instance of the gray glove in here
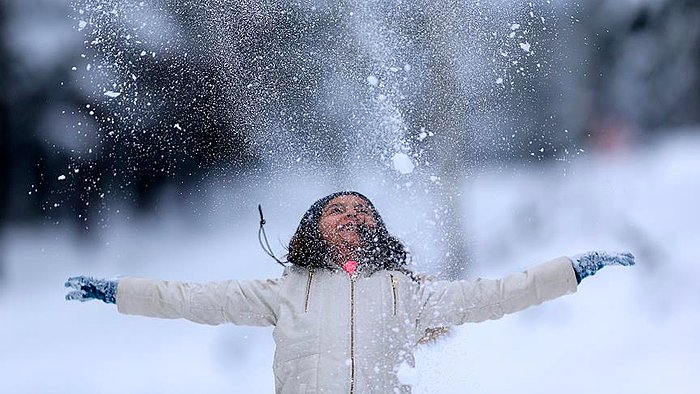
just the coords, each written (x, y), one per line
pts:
(587, 264)
(88, 288)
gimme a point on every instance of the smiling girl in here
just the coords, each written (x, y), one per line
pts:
(347, 311)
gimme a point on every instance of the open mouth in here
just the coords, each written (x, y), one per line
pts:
(352, 226)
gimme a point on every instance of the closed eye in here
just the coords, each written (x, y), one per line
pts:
(335, 209)
(362, 209)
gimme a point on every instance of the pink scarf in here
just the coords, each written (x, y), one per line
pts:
(350, 266)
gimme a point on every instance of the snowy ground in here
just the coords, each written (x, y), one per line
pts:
(625, 331)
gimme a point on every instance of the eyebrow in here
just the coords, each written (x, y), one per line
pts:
(337, 204)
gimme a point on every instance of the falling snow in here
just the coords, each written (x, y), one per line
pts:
(402, 163)
(185, 89)
(372, 80)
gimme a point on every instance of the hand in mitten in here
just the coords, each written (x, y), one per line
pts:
(587, 264)
(87, 288)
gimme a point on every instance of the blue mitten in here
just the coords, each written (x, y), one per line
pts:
(587, 264)
(88, 288)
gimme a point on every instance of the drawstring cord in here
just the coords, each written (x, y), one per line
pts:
(262, 236)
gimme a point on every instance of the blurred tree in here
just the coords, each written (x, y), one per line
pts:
(483, 97)
(442, 107)
(170, 121)
(4, 123)
(4, 133)
(643, 68)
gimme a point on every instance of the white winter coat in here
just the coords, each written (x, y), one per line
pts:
(334, 334)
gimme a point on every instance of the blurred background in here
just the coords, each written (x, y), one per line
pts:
(138, 137)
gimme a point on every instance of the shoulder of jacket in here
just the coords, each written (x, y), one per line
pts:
(425, 279)
(294, 270)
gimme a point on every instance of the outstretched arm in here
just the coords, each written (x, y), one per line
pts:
(251, 302)
(446, 303)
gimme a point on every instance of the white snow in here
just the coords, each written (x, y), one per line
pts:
(626, 330)
(515, 26)
(81, 25)
(372, 80)
(407, 374)
(61, 177)
(525, 46)
(112, 94)
(402, 163)
(499, 80)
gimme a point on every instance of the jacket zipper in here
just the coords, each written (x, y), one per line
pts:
(394, 291)
(352, 335)
(308, 290)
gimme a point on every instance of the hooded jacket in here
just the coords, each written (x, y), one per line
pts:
(336, 333)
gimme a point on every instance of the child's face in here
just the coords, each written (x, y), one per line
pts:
(341, 219)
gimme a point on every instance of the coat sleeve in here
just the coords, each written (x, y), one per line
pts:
(253, 302)
(447, 303)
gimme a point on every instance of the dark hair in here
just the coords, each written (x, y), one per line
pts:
(382, 251)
